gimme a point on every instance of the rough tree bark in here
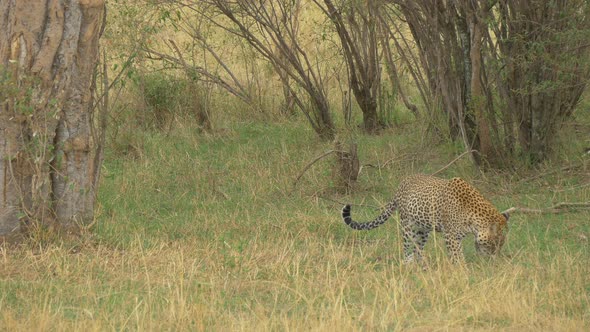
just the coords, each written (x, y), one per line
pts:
(288, 107)
(347, 166)
(48, 53)
(476, 15)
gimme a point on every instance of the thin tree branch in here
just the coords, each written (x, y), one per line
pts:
(318, 158)
(454, 160)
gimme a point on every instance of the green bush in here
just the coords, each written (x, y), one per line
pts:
(164, 96)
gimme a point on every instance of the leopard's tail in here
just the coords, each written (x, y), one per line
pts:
(389, 209)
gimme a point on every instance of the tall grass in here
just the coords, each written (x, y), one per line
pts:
(209, 232)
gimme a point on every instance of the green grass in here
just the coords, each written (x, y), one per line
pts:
(208, 232)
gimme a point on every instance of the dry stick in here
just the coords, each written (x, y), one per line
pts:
(407, 157)
(380, 166)
(342, 204)
(573, 188)
(563, 169)
(440, 170)
(318, 158)
(310, 164)
(557, 208)
(453, 161)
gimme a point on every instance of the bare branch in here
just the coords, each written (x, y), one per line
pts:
(454, 160)
(555, 209)
(267, 28)
(559, 170)
(316, 159)
(241, 94)
(359, 205)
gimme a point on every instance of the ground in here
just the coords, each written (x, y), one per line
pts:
(208, 232)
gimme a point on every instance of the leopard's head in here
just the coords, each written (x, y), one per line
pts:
(491, 236)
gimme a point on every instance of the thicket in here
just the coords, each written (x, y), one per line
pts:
(497, 77)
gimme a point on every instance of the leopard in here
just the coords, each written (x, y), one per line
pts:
(452, 207)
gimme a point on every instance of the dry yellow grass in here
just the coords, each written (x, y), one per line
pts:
(285, 282)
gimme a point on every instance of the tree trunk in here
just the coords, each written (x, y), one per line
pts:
(477, 101)
(48, 53)
(356, 26)
(370, 118)
(347, 166)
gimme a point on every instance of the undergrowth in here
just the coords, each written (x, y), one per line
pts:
(201, 231)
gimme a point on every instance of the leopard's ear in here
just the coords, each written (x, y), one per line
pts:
(506, 215)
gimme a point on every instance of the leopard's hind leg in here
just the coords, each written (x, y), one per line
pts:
(414, 241)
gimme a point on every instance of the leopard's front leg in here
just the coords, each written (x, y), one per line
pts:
(454, 247)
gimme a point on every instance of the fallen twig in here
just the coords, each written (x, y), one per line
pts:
(453, 161)
(342, 204)
(557, 208)
(574, 187)
(563, 169)
(397, 159)
(380, 166)
(318, 158)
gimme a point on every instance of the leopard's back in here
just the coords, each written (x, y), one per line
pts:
(418, 199)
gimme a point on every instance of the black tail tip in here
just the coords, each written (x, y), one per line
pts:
(346, 208)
